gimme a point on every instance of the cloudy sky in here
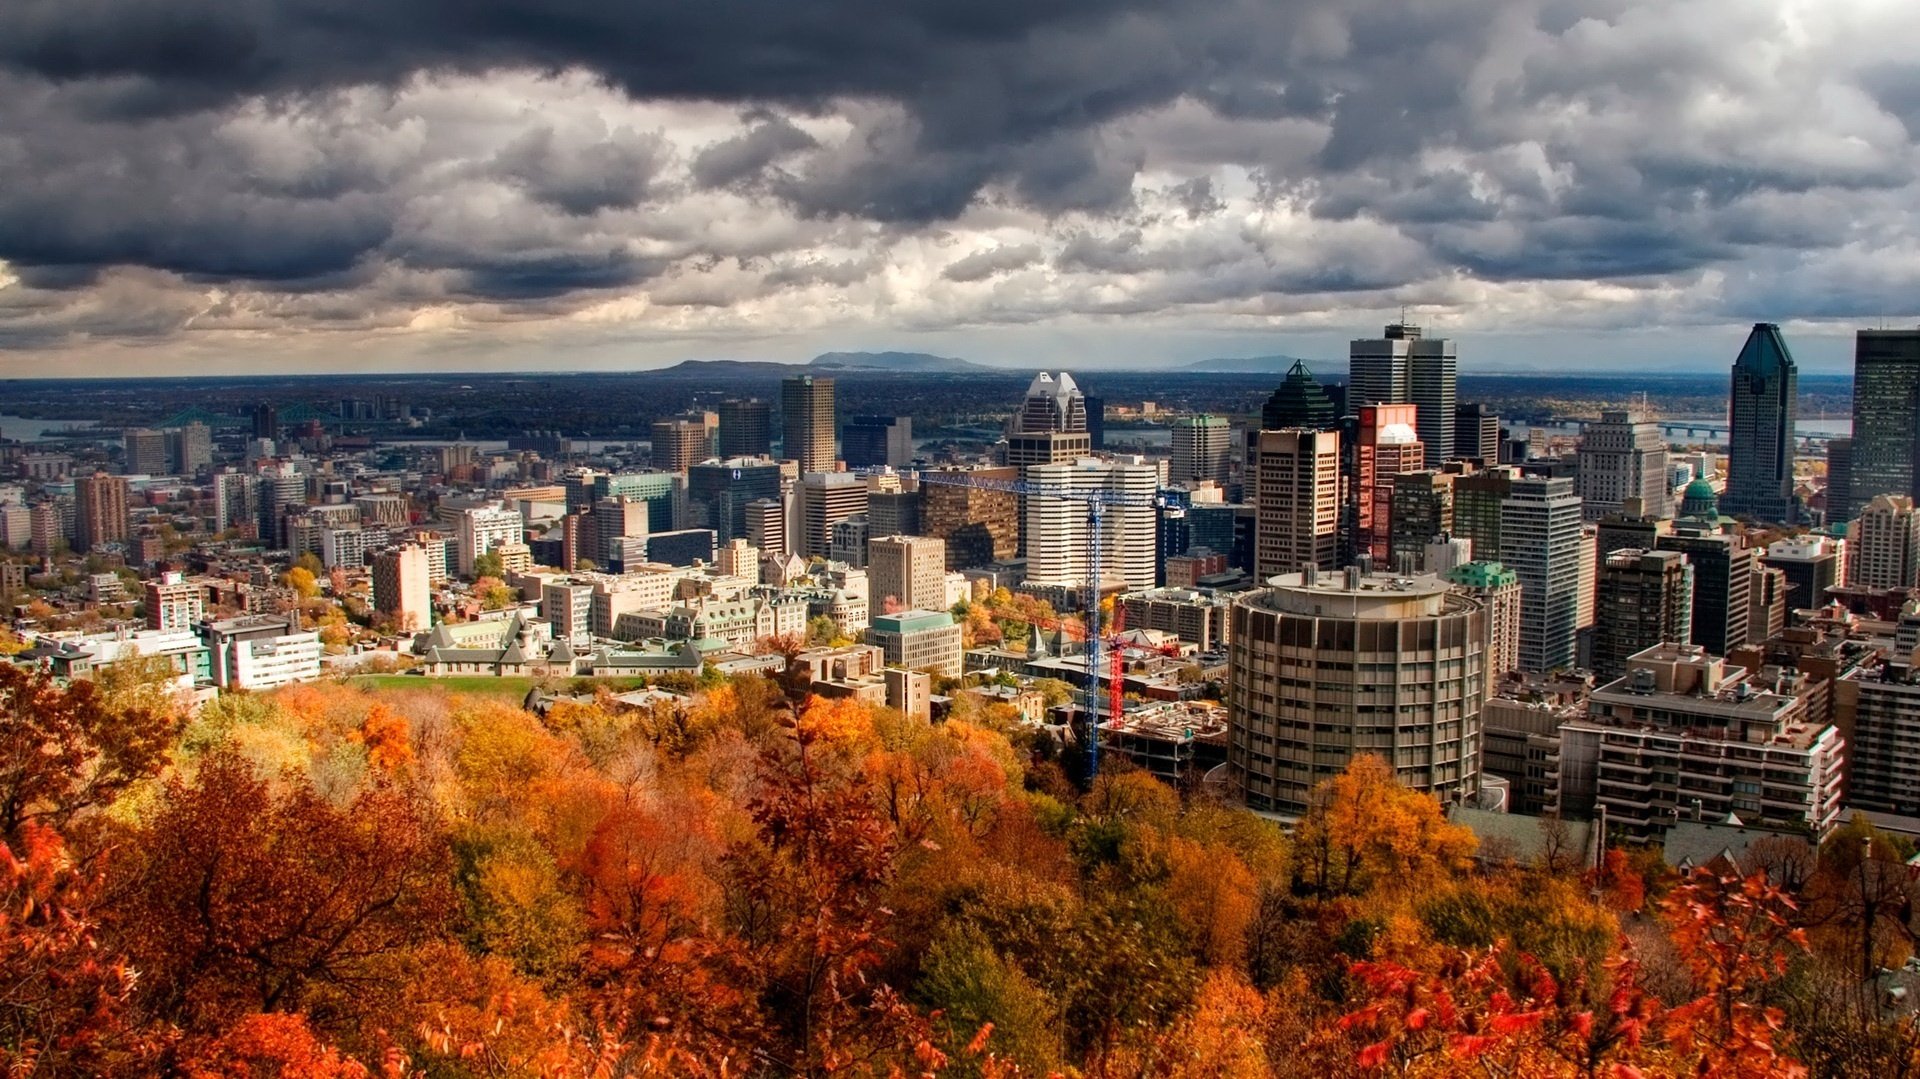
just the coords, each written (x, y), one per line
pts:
(207, 185)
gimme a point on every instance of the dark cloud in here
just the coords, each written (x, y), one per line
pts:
(995, 260)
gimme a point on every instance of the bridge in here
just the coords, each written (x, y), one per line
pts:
(1682, 430)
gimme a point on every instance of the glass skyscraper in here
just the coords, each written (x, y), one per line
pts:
(1886, 409)
(1760, 448)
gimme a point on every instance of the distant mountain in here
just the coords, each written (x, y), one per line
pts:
(915, 363)
(1250, 365)
(729, 367)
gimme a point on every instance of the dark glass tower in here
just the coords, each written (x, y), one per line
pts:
(1760, 450)
(1299, 402)
(1886, 408)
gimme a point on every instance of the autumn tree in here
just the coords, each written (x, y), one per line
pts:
(239, 897)
(302, 581)
(1363, 828)
(64, 751)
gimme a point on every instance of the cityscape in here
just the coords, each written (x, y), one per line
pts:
(1199, 540)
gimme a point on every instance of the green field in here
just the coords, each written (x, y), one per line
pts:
(514, 686)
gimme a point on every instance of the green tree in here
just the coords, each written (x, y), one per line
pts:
(488, 565)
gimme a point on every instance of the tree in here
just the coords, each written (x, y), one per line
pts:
(302, 581)
(239, 898)
(488, 564)
(64, 751)
(280, 1044)
(1364, 828)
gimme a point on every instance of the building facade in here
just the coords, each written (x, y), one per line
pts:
(807, 417)
(1764, 405)
(1624, 456)
(1295, 474)
(1886, 400)
(1540, 541)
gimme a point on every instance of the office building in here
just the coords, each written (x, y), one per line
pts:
(871, 441)
(1812, 564)
(1444, 552)
(1403, 367)
(849, 544)
(403, 588)
(911, 570)
(1631, 528)
(918, 641)
(1422, 508)
(679, 444)
(174, 603)
(1623, 456)
(1883, 544)
(100, 511)
(1766, 603)
(1540, 541)
(718, 493)
(1686, 735)
(1200, 618)
(1051, 425)
(980, 525)
(1385, 445)
(46, 529)
(1645, 598)
(483, 530)
(266, 422)
(1300, 402)
(1295, 476)
(746, 428)
(1497, 589)
(807, 417)
(664, 493)
(261, 651)
(567, 606)
(1886, 403)
(1202, 449)
(1059, 541)
(614, 520)
(1476, 433)
(1722, 584)
(1477, 498)
(1765, 398)
(681, 547)
(146, 452)
(894, 513)
(1838, 497)
(765, 522)
(1326, 666)
(827, 498)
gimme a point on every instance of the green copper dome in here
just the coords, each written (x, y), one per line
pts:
(1700, 500)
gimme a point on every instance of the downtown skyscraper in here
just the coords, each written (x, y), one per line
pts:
(1401, 367)
(1879, 459)
(806, 411)
(1762, 409)
(1540, 542)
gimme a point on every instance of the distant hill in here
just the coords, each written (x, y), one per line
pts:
(1251, 365)
(917, 363)
(730, 367)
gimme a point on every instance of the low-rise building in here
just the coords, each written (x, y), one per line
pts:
(918, 640)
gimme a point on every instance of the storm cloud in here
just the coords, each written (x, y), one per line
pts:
(259, 167)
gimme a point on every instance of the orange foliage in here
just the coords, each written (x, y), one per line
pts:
(276, 1046)
(388, 740)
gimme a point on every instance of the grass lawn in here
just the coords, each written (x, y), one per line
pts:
(514, 686)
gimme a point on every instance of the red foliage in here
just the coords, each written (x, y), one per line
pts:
(276, 1046)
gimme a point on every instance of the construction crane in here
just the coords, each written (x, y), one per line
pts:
(1096, 502)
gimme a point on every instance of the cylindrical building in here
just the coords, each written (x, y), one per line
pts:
(1325, 666)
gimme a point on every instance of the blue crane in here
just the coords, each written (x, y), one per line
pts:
(1097, 502)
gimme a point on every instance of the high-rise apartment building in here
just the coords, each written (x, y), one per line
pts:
(1645, 598)
(146, 452)
(1624, 456)
(679, 444)
(1402, 367)
(190, 448)
(1059, 536)
(236, 501)
(746, 428)
(1385, 445)
(1883, 544)
(979, 525)
(1202, 449)
(403, 588)
(1540, 541)
(174, 603)
(1327, 666)
(806, 415)
(484, 530)
(1686, 735)
(1765, 399)
(1299, 401)
(1295, 476)
(1878, 706)
(1886, 411)
(826, 499)
(100, 511)
(870, 441)
(910, 569)
(1722, 583)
